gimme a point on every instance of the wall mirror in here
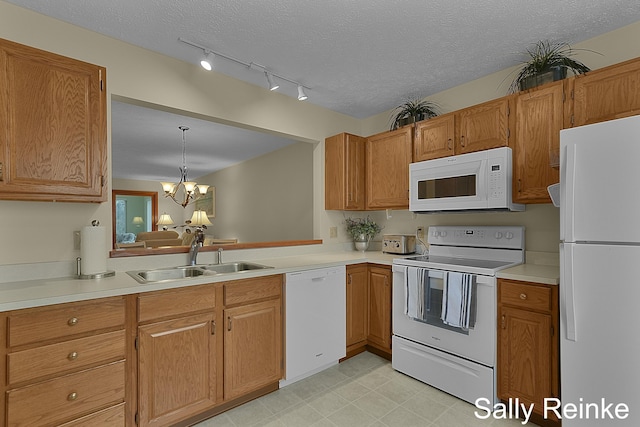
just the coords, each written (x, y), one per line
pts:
(263, 181)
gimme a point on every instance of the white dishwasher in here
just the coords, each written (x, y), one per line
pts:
(315, 321)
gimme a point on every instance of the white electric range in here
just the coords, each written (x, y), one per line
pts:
(457, 276)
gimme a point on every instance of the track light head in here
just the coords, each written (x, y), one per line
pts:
(272, 85)
(207, 61)
(301, 95)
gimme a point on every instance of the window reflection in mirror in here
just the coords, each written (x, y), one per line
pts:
(133, 212)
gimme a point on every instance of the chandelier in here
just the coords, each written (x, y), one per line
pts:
(191, 191)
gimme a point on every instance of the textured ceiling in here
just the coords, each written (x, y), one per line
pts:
(358, 57)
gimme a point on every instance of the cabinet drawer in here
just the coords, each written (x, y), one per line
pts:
(66, 356)
(63, 320)
(249, 290)
(62, 399)
(110, 417)
(525, 295)
(176, 302)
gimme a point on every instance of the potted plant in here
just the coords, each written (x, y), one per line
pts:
(547, 62)
(412, 111)
(361, 231)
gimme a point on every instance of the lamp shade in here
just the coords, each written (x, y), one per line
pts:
(165, 219)
(138, 220)
(200, 218)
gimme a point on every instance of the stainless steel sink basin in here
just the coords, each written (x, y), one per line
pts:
(185, 272)
(232, 267)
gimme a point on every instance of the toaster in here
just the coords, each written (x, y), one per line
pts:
(401, 244)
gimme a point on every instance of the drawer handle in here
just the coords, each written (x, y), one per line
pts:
(72, 396)
(73, 321)
(523, 296)
(73, 355)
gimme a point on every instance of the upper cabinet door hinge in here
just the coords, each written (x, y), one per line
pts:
(103, 181)
(508, 133)
(101, 81)
(508, 110)
(136, 343)
(136, 418)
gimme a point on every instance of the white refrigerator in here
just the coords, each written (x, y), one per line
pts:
(600, 274)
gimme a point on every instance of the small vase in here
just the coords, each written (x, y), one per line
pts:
(361, 242)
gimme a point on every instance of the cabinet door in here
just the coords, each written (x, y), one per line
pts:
(379, 325)
(388, 156)
(539, 119)
(435, 138)
(177, 369)
(606, 94)
(344, 172)
(53, 117)
(484, 126)
(524, 356)
(357, 312)
(252, 347)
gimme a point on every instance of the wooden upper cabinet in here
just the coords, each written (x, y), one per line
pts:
(476, 128)
(608, 93)
(53, 143)
(344, 172)
(435, 138)
(388, 155)
(536, 150)
(484, 126)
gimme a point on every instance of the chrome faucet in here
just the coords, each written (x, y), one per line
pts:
(196, 244)
(219, 255)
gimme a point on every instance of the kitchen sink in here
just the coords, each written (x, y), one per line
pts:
(185, 272)
(232, 267)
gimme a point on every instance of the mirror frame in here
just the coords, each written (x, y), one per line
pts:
(154, 209)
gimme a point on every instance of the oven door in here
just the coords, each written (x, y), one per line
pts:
(477, 344)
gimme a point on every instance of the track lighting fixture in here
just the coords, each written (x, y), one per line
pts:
(207, 64)
(272, 85)
(207, 61)
(301, 95)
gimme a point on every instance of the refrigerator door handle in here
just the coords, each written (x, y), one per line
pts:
(567, 288)
(567, 196)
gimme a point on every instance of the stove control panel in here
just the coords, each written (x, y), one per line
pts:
(503, 237)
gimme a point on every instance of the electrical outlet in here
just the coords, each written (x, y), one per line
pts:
(333, 232)
(420, 232)
(76, 240)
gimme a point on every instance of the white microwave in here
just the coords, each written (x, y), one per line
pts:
(467, 182)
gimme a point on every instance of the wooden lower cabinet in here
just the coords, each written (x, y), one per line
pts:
(379, 324)
(66, 364)
(252, 347)
(177, 369)
(357, 310)
(203, 349)
(369, 309)
(528, 344)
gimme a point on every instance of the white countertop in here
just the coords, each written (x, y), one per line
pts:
(540, 267)
(35, 293)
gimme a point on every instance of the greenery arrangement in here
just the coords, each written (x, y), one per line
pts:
(413, 110)
(359, 226)
(547, 57)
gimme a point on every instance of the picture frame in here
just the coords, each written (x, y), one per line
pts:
(208, 203)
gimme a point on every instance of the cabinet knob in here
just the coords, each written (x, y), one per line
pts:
(73, 321)
(462, 141)
(523, 296)
(73, 355)
(72, 396)
(449, 144)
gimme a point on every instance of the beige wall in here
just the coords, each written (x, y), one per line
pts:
(267, 198)
(42, 232)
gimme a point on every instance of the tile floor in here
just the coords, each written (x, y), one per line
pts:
(362, 391)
